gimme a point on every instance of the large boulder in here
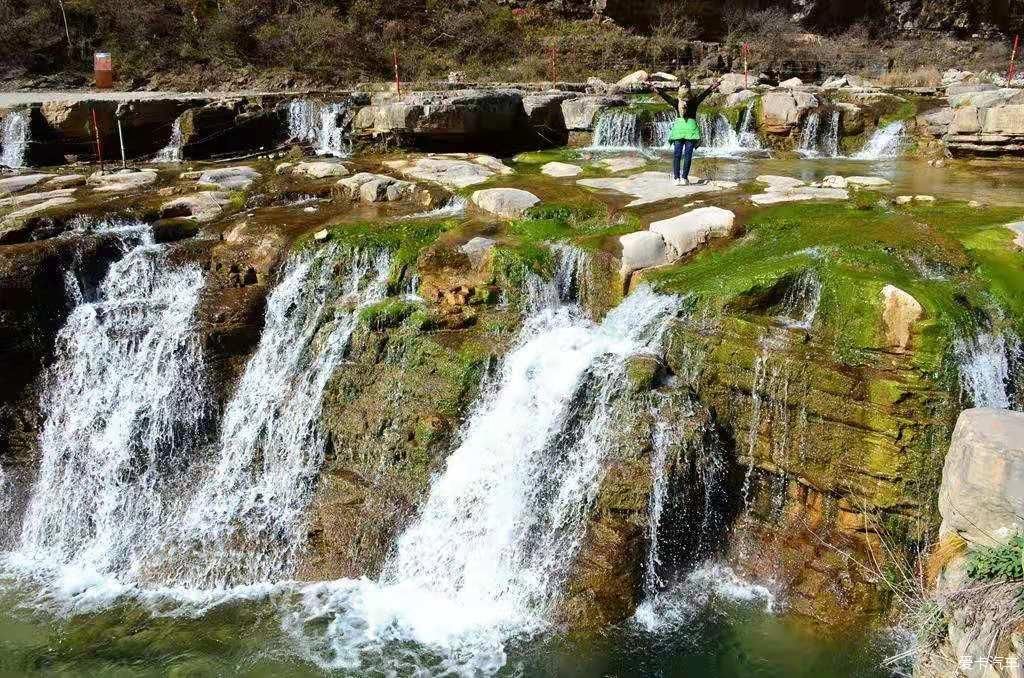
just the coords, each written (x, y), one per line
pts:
(734, 82)
(229, 127)
(236, 178)
(634, 79)
(120, 182)
(899, 313)
(20, 183)
(318, 169)
(561, 169)
(204, 206)
(510, 203)
(688, 231)
(579, 113)
(852, 118)
(774, 196)
(545, 117)
(982, 489)
(477, 119)
(776, 182)
(642, 249)
(782, 111)
(369, 187)
(739, 98)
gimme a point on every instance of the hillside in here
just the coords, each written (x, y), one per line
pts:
(276, 43)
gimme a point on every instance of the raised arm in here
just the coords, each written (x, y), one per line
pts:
(708, 92)
(671, 100)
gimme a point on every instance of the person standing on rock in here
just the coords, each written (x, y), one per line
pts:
(685, 133)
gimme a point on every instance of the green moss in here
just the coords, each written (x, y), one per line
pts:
(855, 253)
(388, 313)
(236, 201)
(905, 111)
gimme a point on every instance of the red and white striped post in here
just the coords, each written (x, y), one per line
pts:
(1013, 60)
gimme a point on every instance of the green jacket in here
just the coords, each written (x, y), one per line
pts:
(685, 129)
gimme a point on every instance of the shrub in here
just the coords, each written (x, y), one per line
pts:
(1005, 561)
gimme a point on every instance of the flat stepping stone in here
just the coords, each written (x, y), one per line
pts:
(561, 169)
(776, 182)
(120, 182)
(510, 203)
(229, 178)
(868, 181)
(30, 198)
(451, 170)
(202, 207)
(317, 170)
(66, 181)
(20, 183)
(623, 163)
(798, 194)
(651, 187)
(369, 187)
(38, 208)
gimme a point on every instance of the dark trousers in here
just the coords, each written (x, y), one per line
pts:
(682, 147)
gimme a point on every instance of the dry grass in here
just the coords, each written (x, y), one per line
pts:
(942, 553)
(922, 76)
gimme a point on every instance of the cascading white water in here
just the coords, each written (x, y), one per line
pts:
(664, 437)
(15, 135)
(819, 137)
(174, 150)
(318, 124)
(987, 363)
(124, 407)
(799, 305)
(886, 142)
(748, 138)
(454, 207)
(618, 129)
(245, 519)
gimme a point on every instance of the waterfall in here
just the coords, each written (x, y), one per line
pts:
(886, 142)
(455, 206)
(125, 408)
(988, 364)
(748, 138)
(320, 125)
(799, 304)
(246, 518)
(618, 129)
(174, 150)
(819, 137)
(506, 517)
(15, 135)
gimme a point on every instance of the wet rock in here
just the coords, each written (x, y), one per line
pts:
(799, 194)
(781, 112)
(688, 231)
(236, 178)
(852, 118)
(1018, 230)
(903, 199)
(634, 79)
(544, 113)
(776, 182)
(19, 183)
(510, 203)
(899, 313)
(174, 229)
(66, 181)
(623, 163)
(833, 181)
(478, 249)
(579, 113)
(283, 168)
(868, 182)
(983, 477)
(369, 187)
(231, 127)
(924, 198)
(561, 169)
(203, 207)
(651, 187)
(734, 82)
(33, 210)
(321, 235)
(120, 182)
(642, 249)
(22, 199)
(739, 98)
(791, 83)
(453, 170)
(318, 169)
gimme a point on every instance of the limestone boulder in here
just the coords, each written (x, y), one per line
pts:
(452, 170)
(851, 117)
(1004, 120)
(561, 169)
(739, 98)
(203, 207)
(478, 249)
(510, 203)
(1018, 232)
(22, 199)
(236, 178)
(652, 187)
(782, 110)
(634, 79)
(834, 181)
(20, 183)
(937, 123)
(642, 249)
(319, 169)
(899, 313)
(798, 194)
(734, 82)
(120, 182)
(982, 488)
(66, 181)
(988, 98)
(791, 83)
(777, 182)
(688, 231)
(545, 117)
(369, 187)
(579, 113)
(965, 120)
(35, 210)
(868, 182)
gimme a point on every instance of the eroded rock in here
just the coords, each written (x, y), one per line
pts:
(510, 203)
(453, 170)
(651, 187)
(642, 249)
(561, 169)
(899, 313)
(688, 231)
(229, 178)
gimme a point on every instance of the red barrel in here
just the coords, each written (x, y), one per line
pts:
(103, 67)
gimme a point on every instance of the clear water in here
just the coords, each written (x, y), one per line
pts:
(989, 364)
